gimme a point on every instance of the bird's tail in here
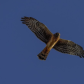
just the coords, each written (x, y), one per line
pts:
(43, 54)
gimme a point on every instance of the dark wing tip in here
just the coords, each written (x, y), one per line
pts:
(83, 54)
(24, 19)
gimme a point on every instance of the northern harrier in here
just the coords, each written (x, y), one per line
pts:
(51, 40)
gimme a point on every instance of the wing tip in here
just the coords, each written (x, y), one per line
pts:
(83, 54)
(24, 19)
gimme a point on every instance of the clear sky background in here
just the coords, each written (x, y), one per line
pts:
(19, 47)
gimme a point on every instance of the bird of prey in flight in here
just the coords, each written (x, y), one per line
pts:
(51, 40)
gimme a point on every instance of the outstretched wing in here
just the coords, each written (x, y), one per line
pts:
(69, 47)
(38, 28)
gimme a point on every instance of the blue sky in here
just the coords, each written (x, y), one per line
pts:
(19, 47)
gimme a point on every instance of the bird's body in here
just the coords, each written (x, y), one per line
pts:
(51, 40)
(44, 53)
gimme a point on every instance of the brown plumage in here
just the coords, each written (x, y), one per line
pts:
(44, 53)
(52, 40)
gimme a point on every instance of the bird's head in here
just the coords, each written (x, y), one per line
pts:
(57, 34)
